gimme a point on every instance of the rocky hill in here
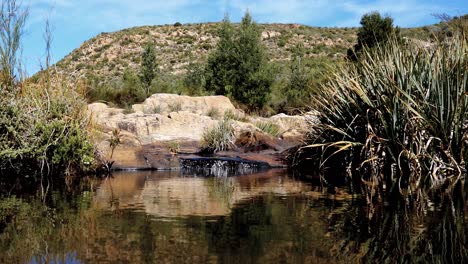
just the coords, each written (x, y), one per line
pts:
(109, 54)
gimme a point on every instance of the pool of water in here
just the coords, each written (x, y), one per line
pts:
(267, 217)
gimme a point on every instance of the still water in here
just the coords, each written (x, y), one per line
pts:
(267, 217)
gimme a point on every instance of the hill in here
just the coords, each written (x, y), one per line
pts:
(110, 63)
(109, 54)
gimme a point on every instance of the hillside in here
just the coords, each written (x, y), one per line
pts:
(109, 54)
(106, 56)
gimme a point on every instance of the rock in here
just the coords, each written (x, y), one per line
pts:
(165, 103)
(255, 141)
(165, 127)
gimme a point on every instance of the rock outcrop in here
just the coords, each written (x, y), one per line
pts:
(166, 127)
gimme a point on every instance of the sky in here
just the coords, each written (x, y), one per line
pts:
(75, 21)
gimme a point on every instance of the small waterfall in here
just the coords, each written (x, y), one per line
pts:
(220, 167)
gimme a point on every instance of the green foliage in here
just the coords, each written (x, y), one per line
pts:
(123, 92)
(297, 90)
(218, 138)
(298, 81)
(374, 29)
(194, 79)
(44, 131)
(234, 115)
(238, 67)
(173, 146)
(397, 117)
(269, 128)
(148, 67)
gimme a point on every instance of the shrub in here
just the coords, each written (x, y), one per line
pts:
(175, 107)
(374, 29)
(218, 138)
(44, 130)
(396, 119)
(231, 115)
(269, 128)
(213, 112)
(124, 92)
(297, 89)
(42, 121)
(194, 79)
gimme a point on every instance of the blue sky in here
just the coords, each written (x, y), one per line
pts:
(75, 21)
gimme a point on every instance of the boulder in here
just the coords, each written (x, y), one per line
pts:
(165, 127)
(201, 105)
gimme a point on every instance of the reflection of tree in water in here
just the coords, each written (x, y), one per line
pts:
(269, 229)
(400, 233)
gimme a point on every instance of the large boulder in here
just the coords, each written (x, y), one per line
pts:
(167, 126)
(201, 105)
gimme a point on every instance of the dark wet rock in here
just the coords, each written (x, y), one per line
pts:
(220, 166)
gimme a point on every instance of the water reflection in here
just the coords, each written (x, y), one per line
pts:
(267, 217)
(167, 194)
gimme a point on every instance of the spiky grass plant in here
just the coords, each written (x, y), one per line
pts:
(218, 138)
(396, 119)
(269, 128)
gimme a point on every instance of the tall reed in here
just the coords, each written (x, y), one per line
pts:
(397, 119)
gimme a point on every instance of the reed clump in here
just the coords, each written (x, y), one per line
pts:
(220, 137)
(396, 120)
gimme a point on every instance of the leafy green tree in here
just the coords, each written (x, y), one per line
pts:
(131, 90)
(148, 67)
(297, 90)
(221, 62)
(194, 79)
(374, 29)
(239, 66)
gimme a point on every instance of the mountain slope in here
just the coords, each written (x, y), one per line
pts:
(108, 55)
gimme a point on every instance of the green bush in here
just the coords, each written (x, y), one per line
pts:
(218, 138)
(374, 29)
(269, 128)
(124, 92)
(44, 132)
(194, 79)
(238, 66)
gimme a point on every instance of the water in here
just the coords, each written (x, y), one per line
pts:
(267, 217)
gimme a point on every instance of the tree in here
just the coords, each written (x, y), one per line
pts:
(194, 79)
(148, 67)
(239, 67)
(297, 90)
(221, 62)
(374, 29)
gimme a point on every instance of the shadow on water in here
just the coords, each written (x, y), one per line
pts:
(265, 217)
